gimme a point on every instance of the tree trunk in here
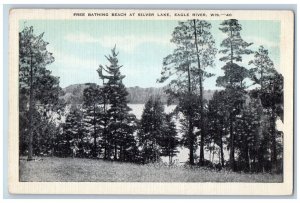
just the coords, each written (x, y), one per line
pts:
(95, 134)
(201, 159)
(247, 163)
(232, 150)
(213, 154)
(116, 151)
(273, 142)
(191, 144)
(105, 123)
(121, 153)
(190, 130)
(231, 47)
(256, 147)
(105, 147)
(249, 160)
(221, 149)
(31, 106)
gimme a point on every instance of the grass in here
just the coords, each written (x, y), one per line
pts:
(90, 170)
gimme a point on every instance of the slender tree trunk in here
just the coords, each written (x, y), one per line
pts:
(201, 159)
(231, 47)
(105, 140)
(155, 150)
(190, 130)
(273, 143)
(105, 122)
(116, 151)
(121, 153)
(256, 157)
(247, 163)
(52, 145)
(202, 130)
(191, 142)
(213, 153)
(105, 125)
(232, 148)
(31, 106)
(256, 148)
(249, 160)
(221, 149)
(105, 144)
(273, 137)
(95, 133)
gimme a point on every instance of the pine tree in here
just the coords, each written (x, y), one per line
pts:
(37, 85)
(92, 98)
(178, 67)
(169, 141)
(121, 123)
(247, 127)
(205, 51)
(45, 132)
(104, 118)
(270, 94)
(234, 45)
(234, 99)
(152, 129)
(194, 53)
(233, 81)
(272, 101)
(217, 121)
(74, 132)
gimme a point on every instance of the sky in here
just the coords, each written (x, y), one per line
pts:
(80, 46)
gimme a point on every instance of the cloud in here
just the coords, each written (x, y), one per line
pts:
(126, 43)
(65, 59)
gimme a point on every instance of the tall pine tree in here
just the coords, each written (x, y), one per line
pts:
(74, 132)
(92, 98)
(205, 51)
(36, 84)
(169, 141)
(218, 121)
(177, 67)
(270, 94)
(152, 129)
(233, 49)
(121, 123)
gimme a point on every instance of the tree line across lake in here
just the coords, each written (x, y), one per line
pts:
(240, 118)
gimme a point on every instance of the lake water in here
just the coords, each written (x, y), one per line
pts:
(183, 154)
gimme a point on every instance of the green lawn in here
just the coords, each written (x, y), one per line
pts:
(90, 170)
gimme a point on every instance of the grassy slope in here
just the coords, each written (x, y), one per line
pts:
(89, 170)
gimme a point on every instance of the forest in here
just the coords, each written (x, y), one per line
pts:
(240, 117)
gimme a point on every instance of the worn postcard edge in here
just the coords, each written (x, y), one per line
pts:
(207, 188)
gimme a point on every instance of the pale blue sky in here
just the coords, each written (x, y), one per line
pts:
(79, 47)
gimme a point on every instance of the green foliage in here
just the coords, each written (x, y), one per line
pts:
(39, 91)
(169, 141)
(73, 134)
(234, 45)
(186, 69)
(218, 120)
(121, 124)
(100, 124)
(264, 67)
(91, 100)
(151, 130)
(45, 133)
(233, 79)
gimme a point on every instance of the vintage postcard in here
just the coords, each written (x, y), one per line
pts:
(181, 102)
